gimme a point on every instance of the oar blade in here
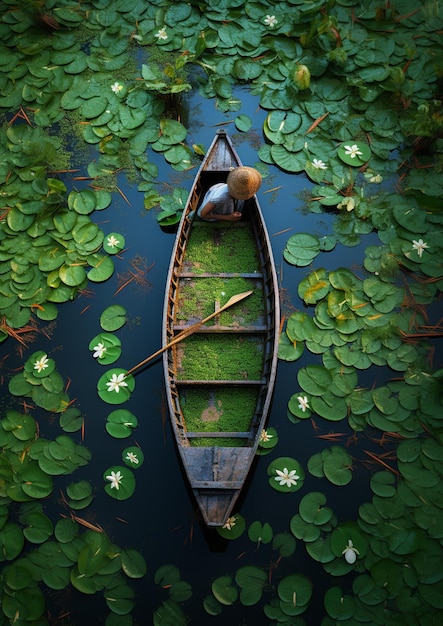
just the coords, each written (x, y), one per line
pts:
(235, 299)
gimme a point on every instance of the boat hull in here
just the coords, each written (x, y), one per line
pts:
(219, 381)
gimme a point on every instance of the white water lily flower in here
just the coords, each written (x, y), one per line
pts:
(319, 165)
(270, 20)
(112, 241)
(286, 477)
(115, 478)
(353, 151)
(42, 363)
(132, 458)
(230, 523)
(419, 245)
(99, 350)
(162, 34)
(265, 436)
(303, 403)
(350, 552)
(116, 382)
(116, 87)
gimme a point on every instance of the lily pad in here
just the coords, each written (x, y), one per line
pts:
(252, 581)
(120, 423)
(346, 537)
(120, 482)
(233, 528)
(115, 387)
(354, 153)
(337, 465)
(294, 586)
(39, 365)
(106, 348)
(83, 201)
(286, 475)
(113, 318)
(301, 249)
(133, 457)
(298, 406)
(102, 269)
(339, 606)
(243, 122)
(38, 527)
(71, 420)
(268, 440)
(114, 243)
(312, 509)
(260, 533)
(289, 350)
(80, 494)
(224, 591)
(133, 563)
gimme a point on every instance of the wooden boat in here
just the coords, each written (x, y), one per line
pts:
(219, 381)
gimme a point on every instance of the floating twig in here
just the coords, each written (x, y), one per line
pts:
(317, 122)
(376, 458)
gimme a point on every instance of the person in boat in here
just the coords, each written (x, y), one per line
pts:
(225, 201)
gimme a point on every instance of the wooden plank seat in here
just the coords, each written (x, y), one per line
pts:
(216, 484)
(233, 435)
(217, 383)
(217, 328)
(186, 274)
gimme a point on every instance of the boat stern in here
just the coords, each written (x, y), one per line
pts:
(216, 476)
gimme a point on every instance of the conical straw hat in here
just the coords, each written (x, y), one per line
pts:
(243, 182)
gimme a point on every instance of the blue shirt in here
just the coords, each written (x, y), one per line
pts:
(219, 195)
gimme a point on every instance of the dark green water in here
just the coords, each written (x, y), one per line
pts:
(160, 519)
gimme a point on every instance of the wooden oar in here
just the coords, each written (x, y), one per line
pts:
(188, 331)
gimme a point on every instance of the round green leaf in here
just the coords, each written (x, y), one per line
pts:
(243, 122)
(38, 527)
(39, 365)
(301, 249)
(224, 591)
(260, 533)
(36, 483)
(106, 348)
(338, 606)
(114, 243)
(354, 153)
(337, 465)
(285, 474)
(233, 528)
(133, 564)
(120, 482)
(120, 423)
(312, 509)
(133, 457)
(71, 420)
(72, 274)
(83, 201)
(11, 542)
(113, 318)
(102, 269)
(18, 575)
(94, 106)
(314, 287)
(298, 586)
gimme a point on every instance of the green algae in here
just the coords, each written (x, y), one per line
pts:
(220, 357)
(218, 410)
(212, 248)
